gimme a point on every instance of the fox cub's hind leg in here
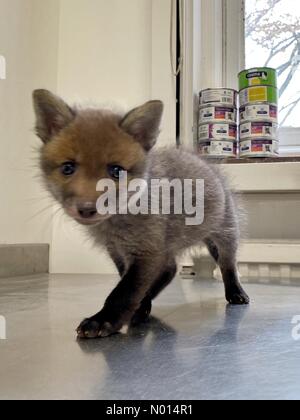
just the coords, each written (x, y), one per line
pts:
(142, 314)
(168, 273)
(223, 251)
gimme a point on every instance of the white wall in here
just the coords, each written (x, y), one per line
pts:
(98, 51)
(112, 51)
(29, 41)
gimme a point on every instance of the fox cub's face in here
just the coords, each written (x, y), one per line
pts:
(82, 147)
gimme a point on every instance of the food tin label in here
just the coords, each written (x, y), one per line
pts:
(259, 112)
(258, 129)
(217, 113)
(218, 148)
(219, 96)
(258, 94)
(259, 148)
(217, 131)
(258, 76)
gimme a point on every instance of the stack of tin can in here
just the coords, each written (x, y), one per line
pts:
(258, 112)
(217, 133)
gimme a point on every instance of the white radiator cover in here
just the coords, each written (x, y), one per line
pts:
(270, 260)
(256, 259)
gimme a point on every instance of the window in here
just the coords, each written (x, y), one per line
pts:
(223, 37)
(272, 38)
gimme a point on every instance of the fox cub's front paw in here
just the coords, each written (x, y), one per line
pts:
(93, 328)
(237, 296)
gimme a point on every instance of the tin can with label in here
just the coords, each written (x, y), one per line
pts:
(256, 94)
(249, 130)
(217, 113)
(258, 76)
(259, 148)
(218, 131)
(218, 149)
(259, 112)
(218, 96)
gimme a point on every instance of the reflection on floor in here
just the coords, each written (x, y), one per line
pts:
(194, 347)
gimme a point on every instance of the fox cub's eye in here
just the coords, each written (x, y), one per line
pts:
(68, 168)
(115, 171)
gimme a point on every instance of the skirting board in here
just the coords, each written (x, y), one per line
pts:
(23, 260)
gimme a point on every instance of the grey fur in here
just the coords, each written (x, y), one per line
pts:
(168, 234)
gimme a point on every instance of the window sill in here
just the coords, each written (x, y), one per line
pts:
(280, 159)
(279, 175)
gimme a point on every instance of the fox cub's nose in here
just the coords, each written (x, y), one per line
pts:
(87, 212)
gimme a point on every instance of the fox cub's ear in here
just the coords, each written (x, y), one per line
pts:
(52, 114)
(143, 123)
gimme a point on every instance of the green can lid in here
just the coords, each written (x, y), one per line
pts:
(257, 69)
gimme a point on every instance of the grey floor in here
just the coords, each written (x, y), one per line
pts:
(195, 347)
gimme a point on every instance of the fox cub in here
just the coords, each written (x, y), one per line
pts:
(83, 146)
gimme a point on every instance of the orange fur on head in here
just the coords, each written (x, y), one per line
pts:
(93, 141)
